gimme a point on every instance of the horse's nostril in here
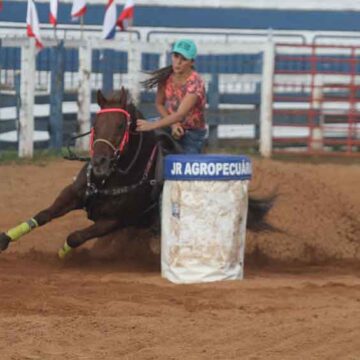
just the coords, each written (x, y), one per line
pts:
(103, 161)
(100, 160)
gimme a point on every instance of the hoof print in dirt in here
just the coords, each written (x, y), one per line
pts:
(4, 241)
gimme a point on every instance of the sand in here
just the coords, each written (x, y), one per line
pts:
(300, 298)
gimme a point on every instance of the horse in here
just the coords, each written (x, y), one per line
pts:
(121, 184)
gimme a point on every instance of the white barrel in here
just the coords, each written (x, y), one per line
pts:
(204, 211)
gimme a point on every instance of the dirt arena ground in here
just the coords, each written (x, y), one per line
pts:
(300, 298)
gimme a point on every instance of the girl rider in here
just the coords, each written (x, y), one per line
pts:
(180, 98)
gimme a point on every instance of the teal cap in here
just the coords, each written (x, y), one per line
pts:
(186, 48)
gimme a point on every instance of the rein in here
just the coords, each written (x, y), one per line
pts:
(126, 171)
(71, 154)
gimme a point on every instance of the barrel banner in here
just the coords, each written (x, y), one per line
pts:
(207, 167)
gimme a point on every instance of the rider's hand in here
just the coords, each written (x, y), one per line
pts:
(143, 125)
(177, 131)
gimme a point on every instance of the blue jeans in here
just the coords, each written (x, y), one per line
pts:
(193, 140)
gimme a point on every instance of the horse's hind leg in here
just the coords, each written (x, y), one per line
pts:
(77, 238)
(67, 200)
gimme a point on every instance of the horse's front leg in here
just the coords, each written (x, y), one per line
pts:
(77, 238)
(69, 199)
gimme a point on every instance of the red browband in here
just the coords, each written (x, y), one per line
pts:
(102, 111)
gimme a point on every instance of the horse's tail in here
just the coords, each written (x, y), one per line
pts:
(257, 211)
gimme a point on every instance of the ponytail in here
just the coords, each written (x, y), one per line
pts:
(158, 77)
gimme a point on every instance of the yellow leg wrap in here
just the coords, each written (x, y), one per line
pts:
(18, 231)
(64, 251)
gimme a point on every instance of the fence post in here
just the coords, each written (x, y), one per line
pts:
(134, 69)
(107, 70)
(27, 93)
(163, 60)
(17, 83)
(56, 96)
(213, 97)
(266, 107)
(84, 95)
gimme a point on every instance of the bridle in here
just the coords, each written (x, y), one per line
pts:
(92, 188)
(124, 140)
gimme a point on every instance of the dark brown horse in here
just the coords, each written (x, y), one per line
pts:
(121, 184)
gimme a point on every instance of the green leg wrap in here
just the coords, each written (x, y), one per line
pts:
(18, 231)
(66, 249)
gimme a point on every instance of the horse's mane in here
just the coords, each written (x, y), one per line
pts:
(135, 114)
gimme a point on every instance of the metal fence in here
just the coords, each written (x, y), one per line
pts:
(316, 97)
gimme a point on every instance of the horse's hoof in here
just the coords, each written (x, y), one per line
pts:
(64, 251)
(4, 241)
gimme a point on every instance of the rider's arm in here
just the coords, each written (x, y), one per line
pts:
(186, 105)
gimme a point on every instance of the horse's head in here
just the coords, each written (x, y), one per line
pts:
(110, 132)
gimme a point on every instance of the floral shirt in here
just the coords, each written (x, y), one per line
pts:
(174, 94)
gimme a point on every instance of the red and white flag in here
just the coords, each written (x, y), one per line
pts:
(53, 12)
(126, 17)
(109, 26)
(32, 24)
(78, 8)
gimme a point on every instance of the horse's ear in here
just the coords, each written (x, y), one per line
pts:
(101, 99)
(123, 97)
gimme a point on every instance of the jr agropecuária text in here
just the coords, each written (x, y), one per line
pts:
(242, 168)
